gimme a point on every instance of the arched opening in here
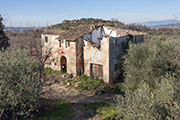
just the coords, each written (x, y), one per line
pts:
(63, 64)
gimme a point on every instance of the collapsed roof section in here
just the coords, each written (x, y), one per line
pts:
(79, 31)
(74, 33)
(123, 32)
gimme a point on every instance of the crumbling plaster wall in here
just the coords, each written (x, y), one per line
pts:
(54, 61)
(70, 53)
(94, 55)
(97, 33)
(110, 32)
(116, 52)
(52, 43)
(94, 35)
(79, 56)
(138, 38)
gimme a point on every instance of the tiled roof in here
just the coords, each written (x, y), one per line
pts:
(124, 32)
(76, 32)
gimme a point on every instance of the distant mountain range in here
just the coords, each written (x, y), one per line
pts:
(170, 23)
(19, 29)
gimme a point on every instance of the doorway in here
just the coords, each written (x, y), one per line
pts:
(63, 64)
(96, 71)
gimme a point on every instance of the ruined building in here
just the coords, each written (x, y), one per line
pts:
(92, 50)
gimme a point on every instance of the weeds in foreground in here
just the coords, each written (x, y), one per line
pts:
(54, 110)
(96, 85)
(105, 111)
(61, 110)
(49, 70)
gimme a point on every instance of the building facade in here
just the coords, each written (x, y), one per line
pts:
(92, 50)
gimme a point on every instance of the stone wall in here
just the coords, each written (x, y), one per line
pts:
(82, 56)
(138, 38)
(61, 48)
(117, 47)
(79, 57)
(98, 56)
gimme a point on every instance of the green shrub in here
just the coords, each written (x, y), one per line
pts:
(20, 85)
(106, 111)
(57, 110)
(152, 80)
(49, 70)
(111, 25)
(159, 104)
(147, 62)
(3, 38)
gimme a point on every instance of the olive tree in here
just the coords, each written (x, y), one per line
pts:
(152, 80)
(20, 84)
(3, 38)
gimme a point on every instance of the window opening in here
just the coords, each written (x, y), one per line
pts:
(46, 39)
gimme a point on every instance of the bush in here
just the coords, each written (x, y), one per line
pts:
(87, 83)
(20, 85)
(111, 25)
(152, 80)
(49, 70)
(160, 104)
(3, 38)
(106, 111)
(148, 62)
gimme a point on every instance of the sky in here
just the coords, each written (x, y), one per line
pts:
(43, 13)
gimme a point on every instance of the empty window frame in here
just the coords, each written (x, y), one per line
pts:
(115, 67)
(68, 44)
(46, 39)
(65, 44)
(115, 42)
(62, 41)
(59, 43)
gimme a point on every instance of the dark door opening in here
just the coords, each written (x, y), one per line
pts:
(129, 38)
(96, 71)
(63, 64)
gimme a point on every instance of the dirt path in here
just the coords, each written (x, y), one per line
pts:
(54, 89)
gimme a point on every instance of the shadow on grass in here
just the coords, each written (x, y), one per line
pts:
(100, 111)
(54, 110)
(61, 110)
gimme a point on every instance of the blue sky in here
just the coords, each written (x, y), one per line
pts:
(28, 13)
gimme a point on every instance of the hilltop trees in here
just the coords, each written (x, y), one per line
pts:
(3, 38)
(114, 22)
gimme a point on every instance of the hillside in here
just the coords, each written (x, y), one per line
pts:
(67, 24)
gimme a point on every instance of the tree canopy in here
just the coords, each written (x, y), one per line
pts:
(3, 38)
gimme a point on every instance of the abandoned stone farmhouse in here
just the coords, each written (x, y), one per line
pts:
(93, 50)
